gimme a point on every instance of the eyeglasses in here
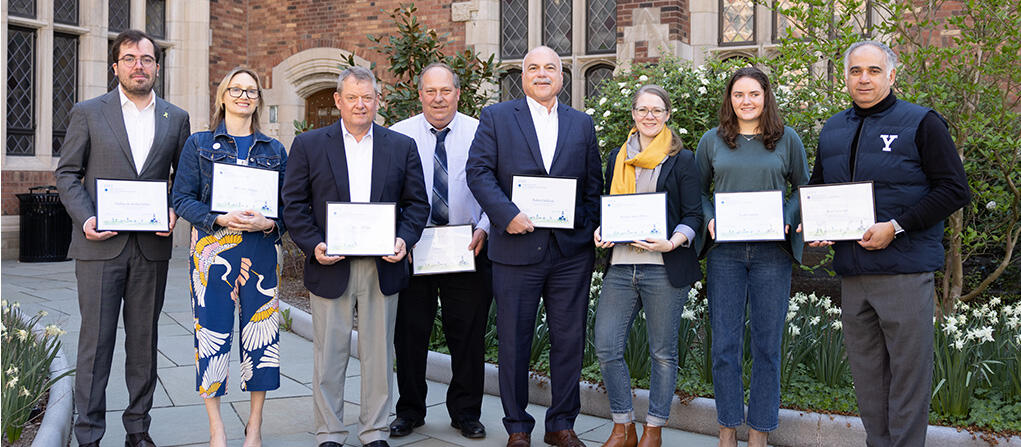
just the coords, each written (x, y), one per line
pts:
(129, 60)
(656, 112)
(235, 92)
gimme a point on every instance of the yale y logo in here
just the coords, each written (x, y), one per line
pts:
(887, 140)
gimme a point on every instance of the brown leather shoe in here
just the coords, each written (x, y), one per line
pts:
(651, 437)
(623, 435)
(520, 439)
(563, 438)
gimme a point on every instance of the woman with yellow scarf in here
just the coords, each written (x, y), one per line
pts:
(654, 274)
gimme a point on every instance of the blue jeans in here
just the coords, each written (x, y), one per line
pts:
(754, 276)
(626, 289)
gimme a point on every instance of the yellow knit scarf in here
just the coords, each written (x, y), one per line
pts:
(624, 181)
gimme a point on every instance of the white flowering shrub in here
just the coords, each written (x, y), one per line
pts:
(25, 373)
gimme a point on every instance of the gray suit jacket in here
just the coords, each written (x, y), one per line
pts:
(96, 146)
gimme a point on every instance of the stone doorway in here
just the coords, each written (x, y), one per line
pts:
(320, 110)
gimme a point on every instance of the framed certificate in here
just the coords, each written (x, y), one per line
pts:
(443, 249)
(237, 187)
(749, 216)
(547, 201)
(360, 229)
(837, 212)
(632, 217)
(132, 205)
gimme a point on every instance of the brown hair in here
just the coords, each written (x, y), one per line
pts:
(770, 122)
(219, 110)
(675, 142)
(133, 36)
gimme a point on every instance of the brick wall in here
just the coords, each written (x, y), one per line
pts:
(262, 33)
(675, 13)
(18, 182)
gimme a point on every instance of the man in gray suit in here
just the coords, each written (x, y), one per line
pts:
(131, 134)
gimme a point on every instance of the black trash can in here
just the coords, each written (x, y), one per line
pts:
(45, 226)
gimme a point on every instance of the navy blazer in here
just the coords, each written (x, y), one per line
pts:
(506, 145)
(679, 179)
(317, 173)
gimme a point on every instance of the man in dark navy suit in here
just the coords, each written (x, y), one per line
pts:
(537, 136)
(353, 160)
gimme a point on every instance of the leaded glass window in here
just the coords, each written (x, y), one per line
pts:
(594, 77)
(65, 84)
(565, 93)
(510, 85)
(737, 21)
(111, 78)
(65, 11)
(156, 18)
(556, 25)
(160, 85)
(602, 27)
(21, 8)
(20, 91)
(513, 28)
(120, 15)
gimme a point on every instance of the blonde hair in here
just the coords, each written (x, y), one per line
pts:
(219, 111)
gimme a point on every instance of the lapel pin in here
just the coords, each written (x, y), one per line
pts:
(164, 114)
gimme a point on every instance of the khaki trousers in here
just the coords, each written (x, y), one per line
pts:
(332, 321)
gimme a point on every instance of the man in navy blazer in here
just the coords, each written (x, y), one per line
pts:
(537, 136)
(353, 160)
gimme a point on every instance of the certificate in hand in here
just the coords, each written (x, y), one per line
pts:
(547, 201)
(443, 249)
(360, 229)
(132, 205)
(632, 217)
(837, 212)
(238, 187)
(749, 216)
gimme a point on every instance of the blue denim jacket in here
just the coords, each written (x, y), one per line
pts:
(194, 177)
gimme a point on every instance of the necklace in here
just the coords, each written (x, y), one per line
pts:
(748, 137)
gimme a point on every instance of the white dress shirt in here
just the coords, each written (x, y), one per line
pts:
(547, 128)
(141, 127)
(359, 164)
(462, 206)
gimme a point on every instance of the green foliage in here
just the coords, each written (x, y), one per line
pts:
(412, 48)
(286, 322)
(301, 127)
(25, 375)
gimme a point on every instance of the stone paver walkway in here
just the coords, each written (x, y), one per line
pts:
(179, 417)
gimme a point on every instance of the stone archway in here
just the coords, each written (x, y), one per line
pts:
(295, 79)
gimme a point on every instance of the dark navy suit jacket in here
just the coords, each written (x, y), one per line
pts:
(506, 145)
(317, 173)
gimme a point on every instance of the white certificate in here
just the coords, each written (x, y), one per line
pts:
(837, 212)
(749, 216)
(547, 201)
(360, 229)
(443, 249)
(244, 188)
(632, 217)
(132, 205)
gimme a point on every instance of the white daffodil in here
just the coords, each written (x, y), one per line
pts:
(814, 321)
(53, 330)
(991, 205)
(794, 330)
(1013, 322)
(24, 392)
(688, 314)
(22, 334)
(833, 311)
(13, 382)
(698, 285)
(12, 371)
(41, 313)
(994, 301)
(837, 325)
(959, 344)
(791, 315)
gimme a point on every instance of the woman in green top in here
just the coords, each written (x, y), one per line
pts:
(751, 150)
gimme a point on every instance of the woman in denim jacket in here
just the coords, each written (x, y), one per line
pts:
(233, 255)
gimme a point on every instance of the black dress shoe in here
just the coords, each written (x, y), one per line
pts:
(90, 444)
(138, 440)
(379, 443)
(330, 444)
(470, 428)
(402, 426)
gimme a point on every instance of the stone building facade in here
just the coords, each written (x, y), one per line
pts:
(56, 53)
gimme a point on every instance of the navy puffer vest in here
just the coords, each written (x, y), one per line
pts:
(887, 156)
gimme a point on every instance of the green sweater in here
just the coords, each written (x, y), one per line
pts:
(752, 167)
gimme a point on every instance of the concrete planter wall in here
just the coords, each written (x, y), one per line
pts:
(797, 428)
(55, 428)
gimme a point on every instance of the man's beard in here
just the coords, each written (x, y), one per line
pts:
(136, 89)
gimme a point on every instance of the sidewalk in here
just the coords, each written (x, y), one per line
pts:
(178, 414)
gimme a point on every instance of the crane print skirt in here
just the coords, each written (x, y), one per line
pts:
(234, 270)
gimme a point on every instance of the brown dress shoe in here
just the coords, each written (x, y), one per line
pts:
(623, 435)
(521, 439)
(651, 437)
(563, 438)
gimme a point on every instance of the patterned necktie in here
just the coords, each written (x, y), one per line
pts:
(440, 214)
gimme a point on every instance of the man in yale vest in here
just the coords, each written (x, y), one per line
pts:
(887, 288)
